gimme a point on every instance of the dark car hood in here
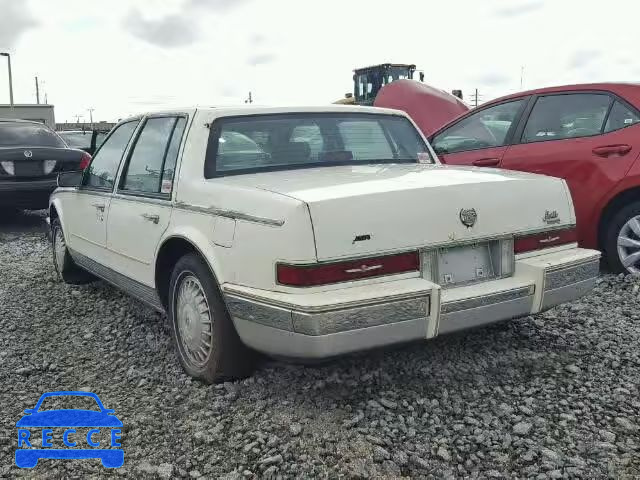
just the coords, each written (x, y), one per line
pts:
(69, 418)
(431, 108)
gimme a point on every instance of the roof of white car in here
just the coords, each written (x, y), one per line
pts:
(258, 110)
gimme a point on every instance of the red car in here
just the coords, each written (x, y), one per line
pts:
(587, 134)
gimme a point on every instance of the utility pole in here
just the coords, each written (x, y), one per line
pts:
(475, 99)
(90, 110)
(249, 100)
(5, 54)
(37, 92)
(521, 76)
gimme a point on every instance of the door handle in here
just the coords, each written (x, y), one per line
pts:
(151, 218)
(486, 162)
(99, 206)
(608, 150)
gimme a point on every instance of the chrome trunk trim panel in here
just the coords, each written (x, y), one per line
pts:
(481, 301)
(229, 214)
(136, 289)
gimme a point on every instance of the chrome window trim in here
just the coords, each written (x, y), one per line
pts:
(235, 215)
(164, 202)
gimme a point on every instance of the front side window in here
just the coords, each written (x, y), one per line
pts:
(145, 170)
(103, 169)
(19, 134)
(557, 117)
(620, 116)
(484, 129)
(284, 141)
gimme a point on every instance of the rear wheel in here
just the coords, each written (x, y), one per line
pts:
(206, 340)
(622, 242)
(66, 268)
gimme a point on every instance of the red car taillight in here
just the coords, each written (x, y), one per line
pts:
(545, 240)
(85, 161)
(324, 274)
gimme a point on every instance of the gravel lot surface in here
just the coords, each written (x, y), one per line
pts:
(550, 396)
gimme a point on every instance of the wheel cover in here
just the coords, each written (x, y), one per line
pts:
(194, 321)
(629, 245)
(59, 249)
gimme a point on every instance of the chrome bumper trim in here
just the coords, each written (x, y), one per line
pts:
(273, 341)
(568, 275)
(329, 319)
(481, 301)
(551, 298)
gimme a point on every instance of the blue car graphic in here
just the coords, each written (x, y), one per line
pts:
(68, 419)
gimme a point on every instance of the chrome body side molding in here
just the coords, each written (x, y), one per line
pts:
(229, 214)
(138, 290)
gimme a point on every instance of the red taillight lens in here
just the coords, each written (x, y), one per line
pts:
(324, 274)
(545, 240)
(85, 161)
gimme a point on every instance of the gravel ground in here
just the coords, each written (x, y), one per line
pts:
(550, 396)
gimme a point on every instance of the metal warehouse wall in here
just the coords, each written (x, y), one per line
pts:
(39, 113)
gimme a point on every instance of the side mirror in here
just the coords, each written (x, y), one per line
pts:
(70, 179)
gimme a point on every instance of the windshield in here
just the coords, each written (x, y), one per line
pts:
(28, 135)
(285, 141)
(77, 139)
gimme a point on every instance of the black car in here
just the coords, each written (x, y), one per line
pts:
(87, 140)
(31, 156)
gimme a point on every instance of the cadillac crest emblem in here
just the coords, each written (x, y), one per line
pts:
(468, 217)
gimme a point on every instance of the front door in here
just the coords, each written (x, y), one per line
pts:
(582, 138)
(141, 208)
(86, 211)
(482, 137)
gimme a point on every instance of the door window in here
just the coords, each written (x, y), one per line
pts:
(557, 117)
(484, 129)
(102, 171)
(146, 171)
(620, 116)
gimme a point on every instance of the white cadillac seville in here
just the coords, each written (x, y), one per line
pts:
(310, 232)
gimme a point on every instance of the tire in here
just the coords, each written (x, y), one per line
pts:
(622, 224)
(65, 267)
(211, 351)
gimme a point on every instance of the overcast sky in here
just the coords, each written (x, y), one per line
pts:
(122, 57)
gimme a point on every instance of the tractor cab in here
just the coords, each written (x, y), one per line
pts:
(368, 81)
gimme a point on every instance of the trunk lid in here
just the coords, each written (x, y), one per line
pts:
(362, 210)
(37, 162)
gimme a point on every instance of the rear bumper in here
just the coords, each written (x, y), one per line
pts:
(298, 326)
(29, 194)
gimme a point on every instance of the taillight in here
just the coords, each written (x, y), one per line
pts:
(324, 274)
(85, 161)
(545, 240)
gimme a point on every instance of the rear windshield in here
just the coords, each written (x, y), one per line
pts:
(285, 141)
(28, 135)
(77, 139)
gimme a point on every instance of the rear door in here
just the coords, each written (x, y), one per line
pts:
(482, 137)
(141, 209)
(581, 137)
(87, 209)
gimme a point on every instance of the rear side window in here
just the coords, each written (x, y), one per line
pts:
(20, 134)
(152, 162)
(103, 169)
(77, 139)
(556, 117)
(285, 141)
(620, 116)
